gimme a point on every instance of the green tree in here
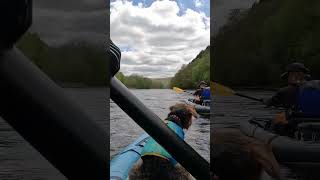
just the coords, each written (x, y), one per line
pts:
(254, 49)
(191, 74)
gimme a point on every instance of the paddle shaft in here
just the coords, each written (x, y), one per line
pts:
(188, 92)
(43, 114)
(157, 129)
(248, 97)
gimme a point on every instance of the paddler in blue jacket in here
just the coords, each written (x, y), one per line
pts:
(156, 162)
(296, 75)
(202, 93)
(301, 97)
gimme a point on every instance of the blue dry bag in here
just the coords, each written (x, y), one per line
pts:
(205, 94)
(309, 99)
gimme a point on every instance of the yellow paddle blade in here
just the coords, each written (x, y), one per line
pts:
(178, 90)
(218, 89)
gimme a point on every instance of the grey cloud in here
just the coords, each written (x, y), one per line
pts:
(130, 61)
(71, 5)
(150, 71)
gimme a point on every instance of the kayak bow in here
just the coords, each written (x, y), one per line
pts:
(123, 162)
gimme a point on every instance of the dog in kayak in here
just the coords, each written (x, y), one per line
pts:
(156, 163)
(236, 156)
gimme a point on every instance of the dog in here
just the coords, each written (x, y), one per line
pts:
(156, 163)
(236, 156)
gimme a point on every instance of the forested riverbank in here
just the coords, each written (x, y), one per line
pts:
(194, 72)
(76, 63)
(256, 44)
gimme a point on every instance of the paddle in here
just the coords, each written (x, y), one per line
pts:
(179, 90)
(226, 91)
(41, 111)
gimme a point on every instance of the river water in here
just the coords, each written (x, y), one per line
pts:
(124, 130)
(18, 159)
(229, 111)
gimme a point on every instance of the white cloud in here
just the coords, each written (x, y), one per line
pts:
(158, 38)
(198, 3)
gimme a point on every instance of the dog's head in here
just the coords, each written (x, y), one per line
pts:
(185, 113)
(236, 155)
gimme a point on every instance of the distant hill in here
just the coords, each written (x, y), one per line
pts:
(164, 81)
(140, 82)
(194, 72)
(254, 48)
(73, 63)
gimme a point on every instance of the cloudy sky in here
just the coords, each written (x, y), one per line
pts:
(158, 37)
(60, 21)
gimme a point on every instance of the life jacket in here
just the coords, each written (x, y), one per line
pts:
(309, 99)
(155, 149)
(206, 93)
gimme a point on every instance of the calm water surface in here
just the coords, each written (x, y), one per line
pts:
(229, 111)
(19, 161)
(123, 130)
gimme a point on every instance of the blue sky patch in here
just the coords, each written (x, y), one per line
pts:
(183, 5)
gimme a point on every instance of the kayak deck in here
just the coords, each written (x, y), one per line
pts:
(289, 151)
(123, 162)
(202, 110)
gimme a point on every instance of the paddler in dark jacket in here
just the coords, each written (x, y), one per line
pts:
(296, 74)
(156, 162)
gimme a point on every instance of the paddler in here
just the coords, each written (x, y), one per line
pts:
(156, 162)
(296, 74)
(202, 93)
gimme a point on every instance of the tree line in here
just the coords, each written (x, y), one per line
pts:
(256, 44)
(76, 62)
(135, 81)
(191, 74)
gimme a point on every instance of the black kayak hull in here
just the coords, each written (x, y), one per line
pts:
(287, 150)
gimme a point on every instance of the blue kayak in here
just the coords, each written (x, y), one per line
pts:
(122, 163)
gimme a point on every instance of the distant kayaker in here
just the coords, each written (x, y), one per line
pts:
(236, 156)
(156, 163)
(296, 74)
(202, 93)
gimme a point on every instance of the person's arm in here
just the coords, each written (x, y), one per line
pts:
(198, 92)
(195, 93)
(275, 100)
(278, 99)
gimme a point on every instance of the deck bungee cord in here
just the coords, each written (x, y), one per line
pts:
(40, 111)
